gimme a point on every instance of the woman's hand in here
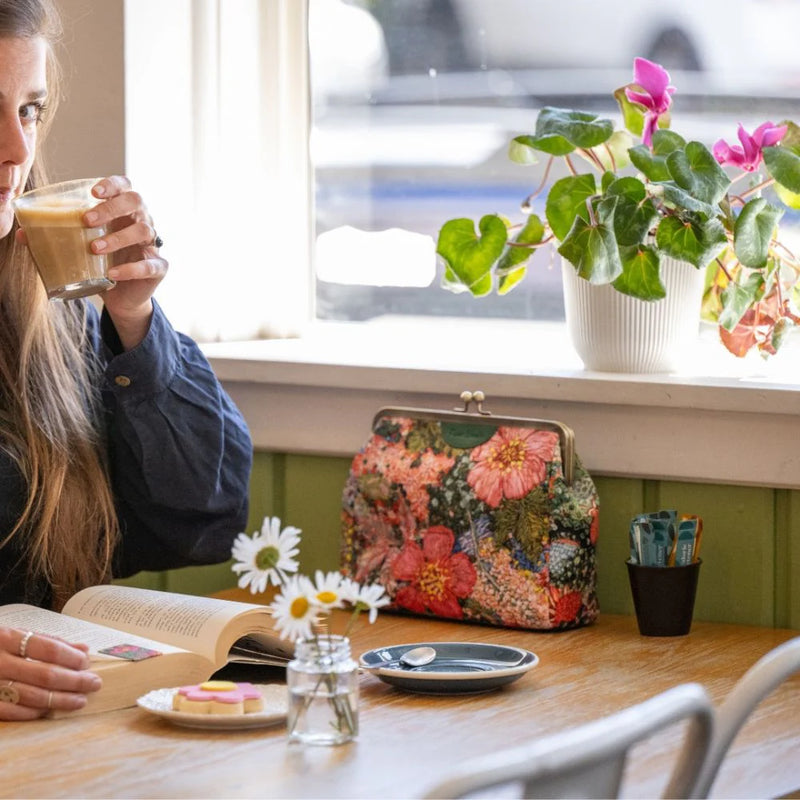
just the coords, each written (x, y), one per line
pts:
(39, 673)
(135, 263)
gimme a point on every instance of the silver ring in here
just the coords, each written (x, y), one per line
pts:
(23, 644)
(157, 240)
(8, 694)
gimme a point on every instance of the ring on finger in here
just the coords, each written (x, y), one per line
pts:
(9, 694)
(157, 240)
(23, 644)
(50, 699)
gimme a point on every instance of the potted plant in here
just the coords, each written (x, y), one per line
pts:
(619, 223)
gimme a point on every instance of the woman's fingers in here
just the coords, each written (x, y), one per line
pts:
(50, 650)
(111, 186)
(35, 701)
(41, 673)
(138, 233)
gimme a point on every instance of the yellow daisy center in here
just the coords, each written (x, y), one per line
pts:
(299, 607)
(327, 597)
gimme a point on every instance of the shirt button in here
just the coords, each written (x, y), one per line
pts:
(122, 380)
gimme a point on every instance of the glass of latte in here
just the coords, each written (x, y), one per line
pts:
(52, 218)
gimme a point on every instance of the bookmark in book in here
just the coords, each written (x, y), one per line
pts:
(130, 652)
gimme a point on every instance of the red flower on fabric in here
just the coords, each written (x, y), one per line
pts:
(438, 578)
(567, 606)
(511, 463)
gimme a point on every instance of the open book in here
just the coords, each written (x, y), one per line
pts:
(141, 639)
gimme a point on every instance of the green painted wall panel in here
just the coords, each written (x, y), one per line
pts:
(787, 559)
(313, 503)
(620, 500)
(737, 578)
(146, 580)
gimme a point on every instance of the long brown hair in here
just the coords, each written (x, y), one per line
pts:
(50, 425)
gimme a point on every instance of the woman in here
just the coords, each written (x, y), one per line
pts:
(119, 451)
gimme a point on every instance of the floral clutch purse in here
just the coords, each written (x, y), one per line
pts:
(467, 516)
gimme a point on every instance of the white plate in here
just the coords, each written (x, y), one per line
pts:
(459, 667)
(159, 702)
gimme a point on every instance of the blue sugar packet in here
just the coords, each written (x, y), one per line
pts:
(662, 541)
(684, 546)
(654, 534)
(659, 539)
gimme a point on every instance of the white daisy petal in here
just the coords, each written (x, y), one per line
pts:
(293, 610)
(371, 598)
(266, 557)
(327, 592)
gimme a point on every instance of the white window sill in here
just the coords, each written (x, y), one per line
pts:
(721, 421)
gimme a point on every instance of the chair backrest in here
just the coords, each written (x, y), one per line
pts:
(589, 760)
(760, 680)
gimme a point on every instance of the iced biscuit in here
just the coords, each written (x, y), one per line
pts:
(218, 697)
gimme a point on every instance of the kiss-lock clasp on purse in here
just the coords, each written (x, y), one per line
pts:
(487, 421)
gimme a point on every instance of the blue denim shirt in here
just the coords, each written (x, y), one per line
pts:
(179, 453)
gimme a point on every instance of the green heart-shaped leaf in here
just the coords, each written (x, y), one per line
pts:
(567, 200)
(593, 251)
(653, 163)
(694, 240)
(737, 299)
(753, 231)
(520, 151)
(684, 199)
(468, 256)
(784, 165)
(640, 274)
(695, 170)
(512, 266)
(559, 131)
(635, 212)
(789, 199)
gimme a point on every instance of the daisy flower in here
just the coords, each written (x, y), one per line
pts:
(328, 590)
(370, 598)
(267, 557)
(294, 610)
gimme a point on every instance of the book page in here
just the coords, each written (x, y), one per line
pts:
(97, 637)
(185, 621)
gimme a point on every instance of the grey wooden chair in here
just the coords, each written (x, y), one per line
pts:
(769, 672)
(588, 761)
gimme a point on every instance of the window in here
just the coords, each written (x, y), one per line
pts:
(412, 105)
(217, 130)
(444, 85)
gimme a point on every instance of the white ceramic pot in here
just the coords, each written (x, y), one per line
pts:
(613, 332)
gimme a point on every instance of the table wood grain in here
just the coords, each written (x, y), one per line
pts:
(408, 742)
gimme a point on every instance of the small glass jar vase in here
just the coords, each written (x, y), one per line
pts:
(323, 691)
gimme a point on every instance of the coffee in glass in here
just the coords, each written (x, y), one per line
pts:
(52, 217)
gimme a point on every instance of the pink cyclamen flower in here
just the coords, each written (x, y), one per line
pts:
(749, 156)
(656, 94)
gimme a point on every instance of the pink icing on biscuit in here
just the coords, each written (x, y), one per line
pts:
(220, 697)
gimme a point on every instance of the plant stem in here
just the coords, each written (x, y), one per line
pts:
(527, 202)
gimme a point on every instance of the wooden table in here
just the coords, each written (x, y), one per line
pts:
(408, 742)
